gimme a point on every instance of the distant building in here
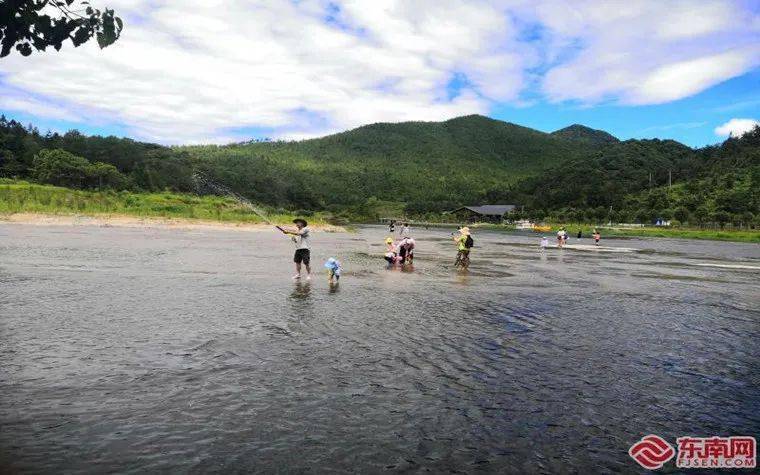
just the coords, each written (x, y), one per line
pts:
(490, 213)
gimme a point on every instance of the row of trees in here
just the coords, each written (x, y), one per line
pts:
(140, 166)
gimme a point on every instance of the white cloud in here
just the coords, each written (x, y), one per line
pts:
(736, 127)
(37, 108)
(207, 70)
(682, 79)
(202, 68)
(648, 51)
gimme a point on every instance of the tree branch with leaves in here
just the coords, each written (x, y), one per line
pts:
(30, 25)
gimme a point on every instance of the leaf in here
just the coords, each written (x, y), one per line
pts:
(24, 48)
(81, 35)
(101, 40)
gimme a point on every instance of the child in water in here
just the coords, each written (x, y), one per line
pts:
(391, 253)
(333, 269)
(597, 237)
(544, 243)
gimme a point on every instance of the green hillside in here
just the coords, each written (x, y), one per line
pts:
(453, 161)
(640, 180)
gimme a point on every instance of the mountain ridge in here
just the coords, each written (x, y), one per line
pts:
(582, 132)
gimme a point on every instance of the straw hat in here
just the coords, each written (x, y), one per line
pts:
(465, 230)
(389, 241)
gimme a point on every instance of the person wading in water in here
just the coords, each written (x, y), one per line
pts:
(300, 236)
(464, 243)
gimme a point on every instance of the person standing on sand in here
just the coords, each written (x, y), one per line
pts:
(300, 237)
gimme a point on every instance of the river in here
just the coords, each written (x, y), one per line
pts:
(155, 350)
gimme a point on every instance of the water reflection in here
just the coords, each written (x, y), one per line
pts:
(301, 291)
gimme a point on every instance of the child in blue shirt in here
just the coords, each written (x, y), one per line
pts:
(333, 269)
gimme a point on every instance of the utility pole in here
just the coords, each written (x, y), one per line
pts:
(670, 179)
(650, 179)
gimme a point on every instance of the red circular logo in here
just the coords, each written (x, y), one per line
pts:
(651, 452)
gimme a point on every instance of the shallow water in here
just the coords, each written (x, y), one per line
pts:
(137, 350)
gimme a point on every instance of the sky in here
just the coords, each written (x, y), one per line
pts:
(207, 71)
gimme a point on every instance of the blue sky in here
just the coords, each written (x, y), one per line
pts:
(194, 73)
(691, 120)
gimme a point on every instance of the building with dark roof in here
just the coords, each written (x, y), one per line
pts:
(491, 213)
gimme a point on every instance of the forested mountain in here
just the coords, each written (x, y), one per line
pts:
(631, 182)
(454, 161)
(581, 132)
(428, 167)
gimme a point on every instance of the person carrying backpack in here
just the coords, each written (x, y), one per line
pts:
(464, 244)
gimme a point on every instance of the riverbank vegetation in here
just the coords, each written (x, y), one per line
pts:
(413, 170)
(25, 197)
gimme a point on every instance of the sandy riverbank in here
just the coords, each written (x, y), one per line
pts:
(137, 222)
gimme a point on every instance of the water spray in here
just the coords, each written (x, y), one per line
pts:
(202, 180)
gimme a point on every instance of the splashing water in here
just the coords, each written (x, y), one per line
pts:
(203, 183)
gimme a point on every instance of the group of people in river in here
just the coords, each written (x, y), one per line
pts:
(403, 228)
(399, 251)
(562, 238)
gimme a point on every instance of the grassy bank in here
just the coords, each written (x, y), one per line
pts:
(686, 233)
(648, 231)
(23, 197)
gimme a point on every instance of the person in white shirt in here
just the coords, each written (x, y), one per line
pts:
(300, 237)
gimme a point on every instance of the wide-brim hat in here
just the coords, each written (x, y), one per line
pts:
(302, 221)
(389, 241)
(465, 230)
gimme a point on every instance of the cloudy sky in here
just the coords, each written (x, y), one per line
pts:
(202, 71)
